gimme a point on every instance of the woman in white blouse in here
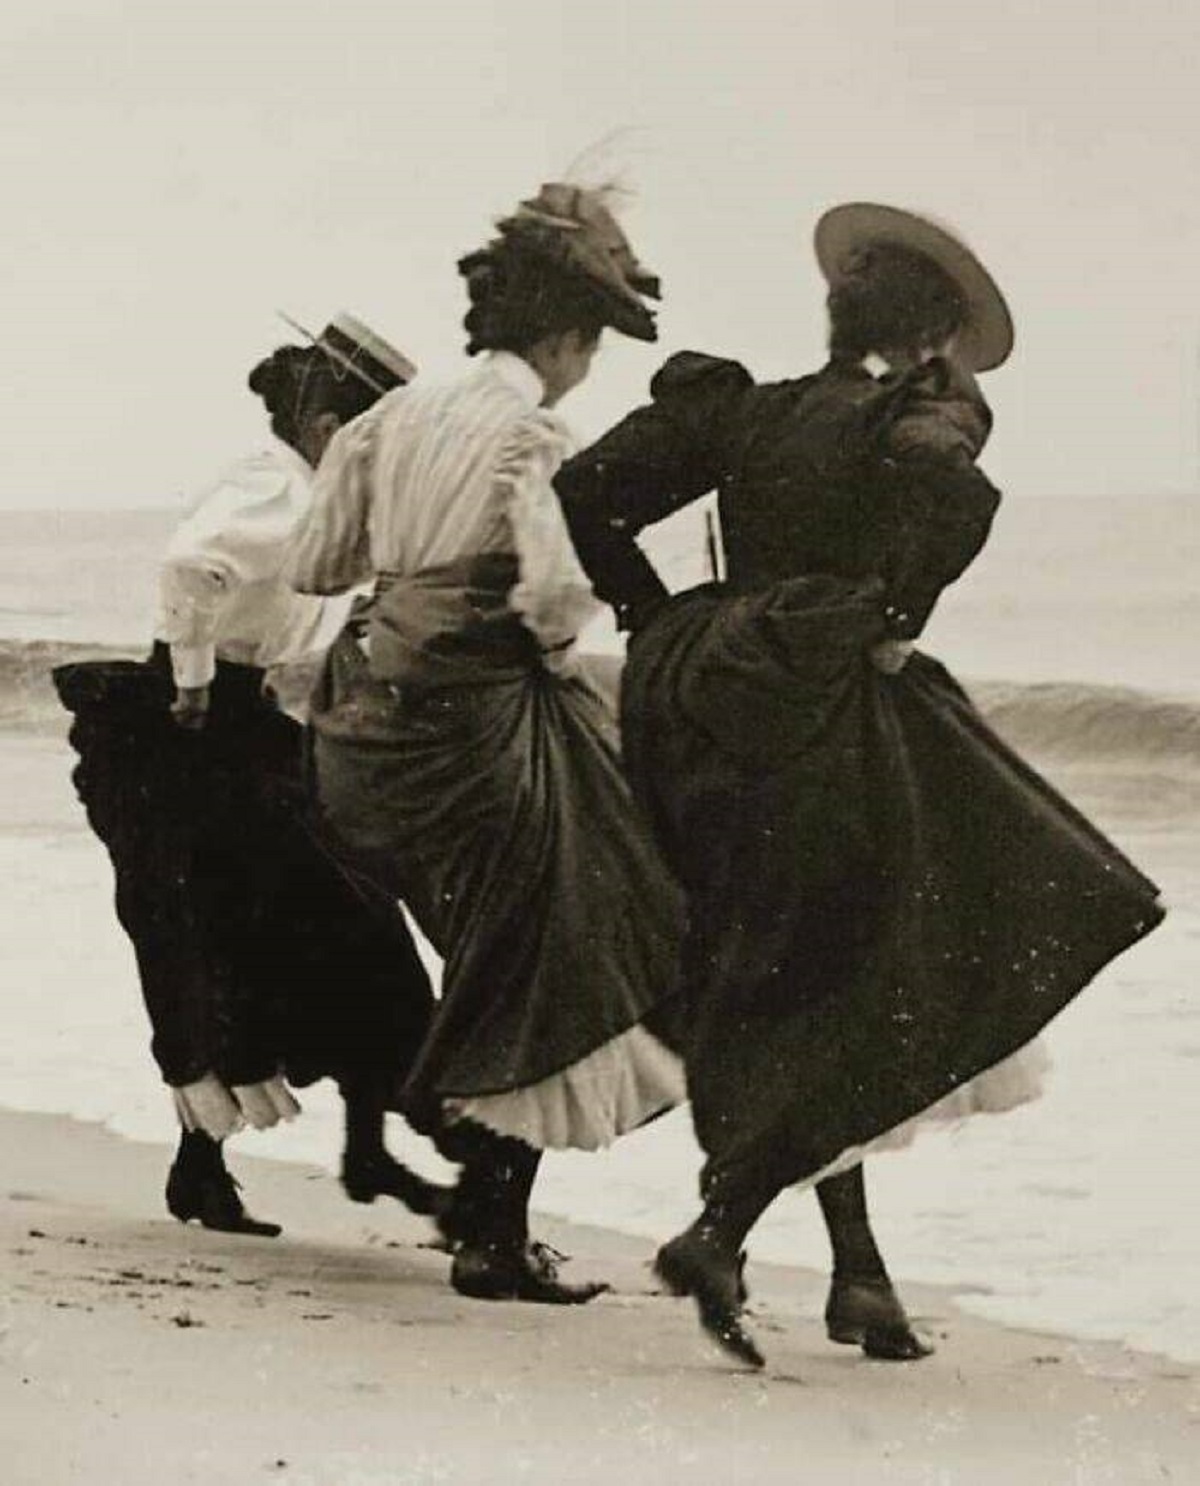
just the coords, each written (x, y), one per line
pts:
(464, 756)
(260, 955)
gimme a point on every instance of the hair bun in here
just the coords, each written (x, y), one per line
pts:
(274, 379)
(266, 378)
(484, 276)
(487, 285)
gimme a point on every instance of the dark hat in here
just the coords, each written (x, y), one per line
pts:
(986, 337)
(357, 349)
(573, 228)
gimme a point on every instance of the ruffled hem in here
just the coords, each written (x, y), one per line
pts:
(635, 1077)
(613, 1090)
(1019, 1079)
(220, 1112)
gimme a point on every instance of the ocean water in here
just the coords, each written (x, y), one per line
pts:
(1076, 630)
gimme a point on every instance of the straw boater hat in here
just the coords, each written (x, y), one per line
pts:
(357, 349)
(986, 338)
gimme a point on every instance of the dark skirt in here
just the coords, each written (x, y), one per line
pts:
(884, 900)
(259, 951)
(499, 812)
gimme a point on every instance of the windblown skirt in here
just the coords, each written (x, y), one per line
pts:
(885, 902)
(261, 955)
(486, 791)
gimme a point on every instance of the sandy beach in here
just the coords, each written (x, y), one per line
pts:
(138, 1350)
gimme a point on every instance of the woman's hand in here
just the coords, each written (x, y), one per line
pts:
(891, 656)
(190, 707)
(561, 661)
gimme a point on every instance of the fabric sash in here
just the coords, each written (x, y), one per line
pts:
(447, 626)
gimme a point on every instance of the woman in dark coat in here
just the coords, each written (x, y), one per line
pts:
(264, 960)
(885, 904)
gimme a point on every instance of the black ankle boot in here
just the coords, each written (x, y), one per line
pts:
(514, 1271)
(380, 1175)
(688, 1266)
(865, 1311)
(199, 1186)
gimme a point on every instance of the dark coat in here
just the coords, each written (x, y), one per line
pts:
(259, 951)
(884, 901)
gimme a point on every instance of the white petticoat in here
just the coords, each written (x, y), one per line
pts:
(585, 1107)
(220, 1112)
(1018, 1079)
(635, 1077)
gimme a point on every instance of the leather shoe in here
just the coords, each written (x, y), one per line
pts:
(494, 1272)
(212, 1197)
(865, 1311)
(383, 1176)
(689, 1267)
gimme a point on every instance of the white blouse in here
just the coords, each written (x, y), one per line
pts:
(221, 587)
(432, 474)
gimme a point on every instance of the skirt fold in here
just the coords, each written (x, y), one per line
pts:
(261, 955)
(499, 812)
(885, 901)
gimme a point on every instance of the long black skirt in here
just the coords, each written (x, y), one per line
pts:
(259, 950)
(499, 812)
(884, 900)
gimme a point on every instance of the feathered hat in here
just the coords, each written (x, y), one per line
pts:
(573, 229)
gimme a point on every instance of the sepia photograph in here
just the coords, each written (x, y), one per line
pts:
(600, 743)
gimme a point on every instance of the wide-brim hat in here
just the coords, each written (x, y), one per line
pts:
(357, 349)
(986, 337)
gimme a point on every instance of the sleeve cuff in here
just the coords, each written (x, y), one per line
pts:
(193, 665)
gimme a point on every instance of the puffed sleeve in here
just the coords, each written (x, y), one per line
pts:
(330, 550)
(552, 594)
(236, 534)
(942, 506)
(658, 459)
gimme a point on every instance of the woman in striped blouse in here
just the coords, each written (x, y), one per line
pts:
(465, 757)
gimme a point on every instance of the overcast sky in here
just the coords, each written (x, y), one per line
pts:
(173, 172)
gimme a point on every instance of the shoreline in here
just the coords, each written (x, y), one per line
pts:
(337, 1355)
(1051, 1217)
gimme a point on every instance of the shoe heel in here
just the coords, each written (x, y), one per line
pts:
(182, 1203)
(667, 1270)
(357, 1190)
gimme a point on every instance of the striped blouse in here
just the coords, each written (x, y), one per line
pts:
(433, 474)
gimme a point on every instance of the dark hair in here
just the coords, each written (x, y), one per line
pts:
(892, 298)
(300, 382)
(519, 296)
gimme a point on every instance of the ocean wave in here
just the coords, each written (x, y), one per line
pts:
(1068, 722)
(28, 701)
(1081, 724)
